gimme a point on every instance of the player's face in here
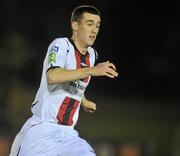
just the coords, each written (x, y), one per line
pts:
(88, 29)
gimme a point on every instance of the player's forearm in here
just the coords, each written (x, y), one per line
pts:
(60, 75)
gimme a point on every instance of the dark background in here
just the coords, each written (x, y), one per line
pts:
(142, 38)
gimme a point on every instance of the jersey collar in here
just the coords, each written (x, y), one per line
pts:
(76, 49)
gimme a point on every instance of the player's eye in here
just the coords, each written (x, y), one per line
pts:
(90, 24)
(97, 26)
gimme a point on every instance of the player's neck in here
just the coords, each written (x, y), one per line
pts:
(81, 48)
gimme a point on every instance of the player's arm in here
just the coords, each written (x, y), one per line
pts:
(60, 75)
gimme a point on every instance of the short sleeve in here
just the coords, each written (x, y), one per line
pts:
(96, 55)
(93, 56)
(57, 54)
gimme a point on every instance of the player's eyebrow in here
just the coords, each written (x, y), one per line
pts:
(93, 21)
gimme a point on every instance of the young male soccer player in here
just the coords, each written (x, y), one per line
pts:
(67, 69)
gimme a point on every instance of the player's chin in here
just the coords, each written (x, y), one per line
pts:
(91, 42)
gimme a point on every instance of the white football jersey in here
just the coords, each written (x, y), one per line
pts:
(60, 103)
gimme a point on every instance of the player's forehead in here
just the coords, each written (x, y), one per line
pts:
(90, 17)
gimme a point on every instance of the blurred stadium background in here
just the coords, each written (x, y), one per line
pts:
(137, 113)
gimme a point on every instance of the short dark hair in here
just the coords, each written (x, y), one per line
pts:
(78, 12)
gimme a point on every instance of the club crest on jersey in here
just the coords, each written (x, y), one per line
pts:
(54, 49)
(52, 58)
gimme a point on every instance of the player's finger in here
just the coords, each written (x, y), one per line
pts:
(93, 107)
(91, 111)
(112, 72)
(112, 66)
(109, 75)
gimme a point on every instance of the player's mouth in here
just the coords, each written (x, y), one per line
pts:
(92, 37)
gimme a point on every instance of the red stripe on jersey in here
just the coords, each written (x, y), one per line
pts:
(66, 111)
(70, 120)
(78, 59)
(88, 65)
(62, 109)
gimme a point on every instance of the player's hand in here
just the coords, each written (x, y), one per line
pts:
(104, 69)
(88, 106)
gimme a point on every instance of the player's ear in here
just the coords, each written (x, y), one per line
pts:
(74, 25)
